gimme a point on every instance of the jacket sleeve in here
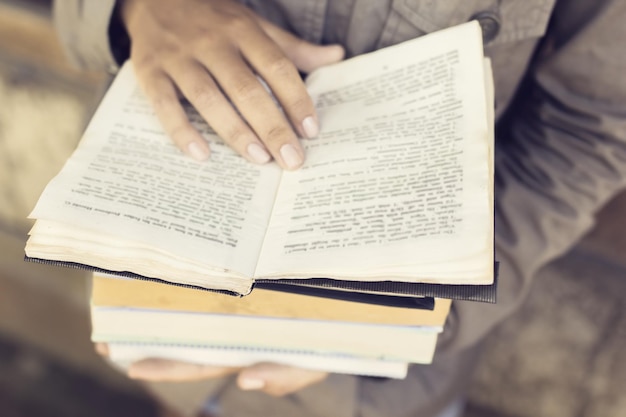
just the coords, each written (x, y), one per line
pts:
(86, 30)
(560, 153)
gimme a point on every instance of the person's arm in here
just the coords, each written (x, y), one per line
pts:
(83, 28)
(560, 155)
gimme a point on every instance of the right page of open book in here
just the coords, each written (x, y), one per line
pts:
(398, 185)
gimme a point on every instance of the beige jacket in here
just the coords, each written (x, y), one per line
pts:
(560, 82)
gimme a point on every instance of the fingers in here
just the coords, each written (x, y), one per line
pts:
(102, 349)
(284, 80)
(273, 379)
(277, 380)
(257, 107)
(213, 53)
(200, 89)
(164, 370)
(162, 95)
(164, 411)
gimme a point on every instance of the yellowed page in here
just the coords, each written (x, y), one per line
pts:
(112, 292)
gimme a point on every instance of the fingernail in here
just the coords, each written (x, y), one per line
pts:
(310, 127)
(290, 156)
(250, 384)
(198, 151)
(258, 154)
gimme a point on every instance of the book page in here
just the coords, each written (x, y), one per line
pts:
(128, 180)
(399, 176)
(118, 292)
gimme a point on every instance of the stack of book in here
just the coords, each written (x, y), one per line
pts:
(393, 207)
(140, 319)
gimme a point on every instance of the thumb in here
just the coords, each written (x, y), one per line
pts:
(276, 379)
(306, 56)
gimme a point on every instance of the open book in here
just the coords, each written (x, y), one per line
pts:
(397, 187)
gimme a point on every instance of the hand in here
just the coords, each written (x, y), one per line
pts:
(211, 51)
(273, 379)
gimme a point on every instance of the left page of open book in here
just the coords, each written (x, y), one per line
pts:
(128, 199)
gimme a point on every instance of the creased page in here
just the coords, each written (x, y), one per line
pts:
(397, 185)
(127, 180)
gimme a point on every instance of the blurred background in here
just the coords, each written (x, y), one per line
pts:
(563, 354)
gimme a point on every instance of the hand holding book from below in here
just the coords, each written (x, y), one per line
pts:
(273, 379)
